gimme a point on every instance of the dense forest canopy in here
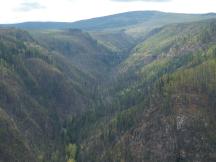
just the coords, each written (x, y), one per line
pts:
(118, 89)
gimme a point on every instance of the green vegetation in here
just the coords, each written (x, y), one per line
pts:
(39, 88)
(70, 96)
(170, 90)
(71, 152)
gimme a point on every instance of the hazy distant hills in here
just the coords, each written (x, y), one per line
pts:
(119, 21)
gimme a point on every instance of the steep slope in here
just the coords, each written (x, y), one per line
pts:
(12, 145)
(162, 106)
(79, 48)
(40, 89)
(119, 42)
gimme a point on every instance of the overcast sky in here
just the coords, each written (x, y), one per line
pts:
(71, 10)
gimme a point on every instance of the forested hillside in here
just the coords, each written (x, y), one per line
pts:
(120, 95)
(163, 101)
(40, 89)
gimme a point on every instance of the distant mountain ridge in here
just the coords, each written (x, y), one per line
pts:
(119, 21)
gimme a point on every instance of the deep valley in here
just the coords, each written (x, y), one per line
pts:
(132, 87)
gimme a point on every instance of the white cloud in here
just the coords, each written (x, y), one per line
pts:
(29, 6)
